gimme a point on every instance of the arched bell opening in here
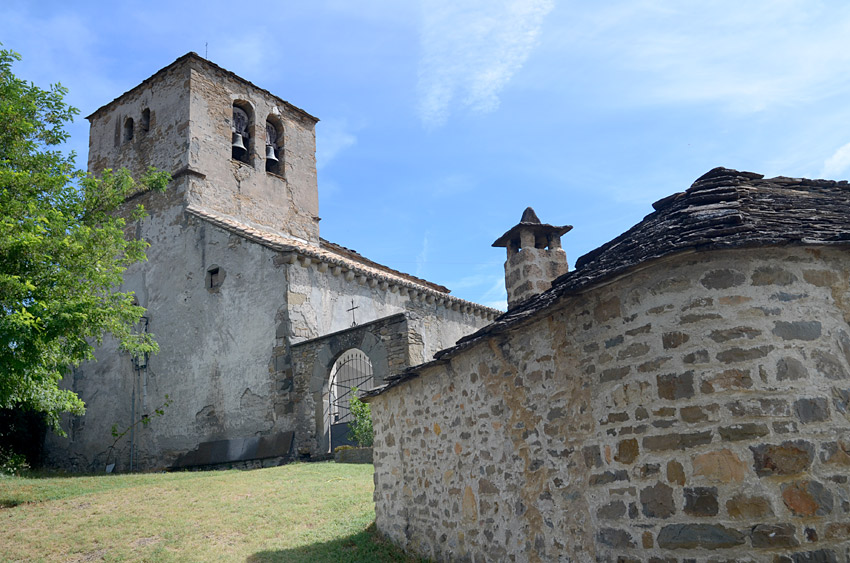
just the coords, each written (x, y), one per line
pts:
(240, 143)
(274, 145)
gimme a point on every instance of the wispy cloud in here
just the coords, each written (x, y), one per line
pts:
(422, 257)
(837, 164)
(332, 137)
(758, 55)
(471, 49)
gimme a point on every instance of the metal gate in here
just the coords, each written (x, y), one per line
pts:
(351, 371)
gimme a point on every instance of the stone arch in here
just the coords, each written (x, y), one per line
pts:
(274, 145)
(365, 341)
(241, 125)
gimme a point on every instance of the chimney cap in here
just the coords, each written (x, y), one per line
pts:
(529, 221)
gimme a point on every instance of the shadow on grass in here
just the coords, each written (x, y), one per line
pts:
(367, 545)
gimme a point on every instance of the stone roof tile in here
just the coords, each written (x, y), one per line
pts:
(336, 255)
(722, 209)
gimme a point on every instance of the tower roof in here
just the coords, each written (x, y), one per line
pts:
(529, 221)
(189, 57)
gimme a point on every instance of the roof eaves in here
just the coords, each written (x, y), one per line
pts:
(310, 253)
(196, 57)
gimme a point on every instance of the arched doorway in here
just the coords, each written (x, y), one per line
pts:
(352, 371)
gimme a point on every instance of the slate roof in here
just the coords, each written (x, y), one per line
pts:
(722, 209)
(333, 255)
(530, 222)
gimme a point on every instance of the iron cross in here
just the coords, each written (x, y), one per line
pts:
(353, 320)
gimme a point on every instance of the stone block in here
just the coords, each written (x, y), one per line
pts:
(790, 369)
(674, 339)
(614, 374)
(675, 472)
(614, 510)
(701, 501)
(613, 537)
(616, 341)
(694, 414)
(697, 357)
(837, 531)
(727, 380)
(744, 431)
(634, 350)
(807, 498)
(749, 507)
(787, 458)
(676, 386)
(828, 365)
(722, 279)
(811, 410)
(737, 333)
(677, 441)
(692, 536)
(772, 275)
(759, 407)
(695, 318)
(592, 456)
(653, 365)
(797, 330)
(735, 355)
(657, 501)
(627, 451)
(609, 477)
(722, 466)
(774, 535)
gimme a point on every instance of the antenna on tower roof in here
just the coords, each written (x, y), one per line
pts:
(206, 48)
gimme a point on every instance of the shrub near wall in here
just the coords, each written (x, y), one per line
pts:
(696, 410)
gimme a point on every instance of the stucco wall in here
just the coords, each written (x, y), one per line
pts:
(216, 350)
(225, 359)
(696, 410)
(166, 143)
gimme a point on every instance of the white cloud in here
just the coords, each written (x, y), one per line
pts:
(422, 257)
(332, 137)
(837, 164)
(747, 56)
(471, 49)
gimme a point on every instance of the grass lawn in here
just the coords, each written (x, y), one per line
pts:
(299, 512)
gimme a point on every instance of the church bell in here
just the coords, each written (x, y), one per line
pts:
(270, 153)
(236, 144)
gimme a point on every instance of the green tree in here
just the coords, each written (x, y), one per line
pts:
(360, 430)
(62, 251)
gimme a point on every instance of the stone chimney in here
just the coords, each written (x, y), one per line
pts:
(535, 257)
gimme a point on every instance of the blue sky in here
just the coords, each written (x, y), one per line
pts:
(443, 119)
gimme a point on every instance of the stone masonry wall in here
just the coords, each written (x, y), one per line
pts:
(287, 202)
(387, 344)
(695, 410)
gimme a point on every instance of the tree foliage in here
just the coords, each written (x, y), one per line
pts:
(62, 251)
(360, 430)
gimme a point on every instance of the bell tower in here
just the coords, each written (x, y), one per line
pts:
(230, 146)
(535, 257)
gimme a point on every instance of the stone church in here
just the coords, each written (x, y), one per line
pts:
(265, 329)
